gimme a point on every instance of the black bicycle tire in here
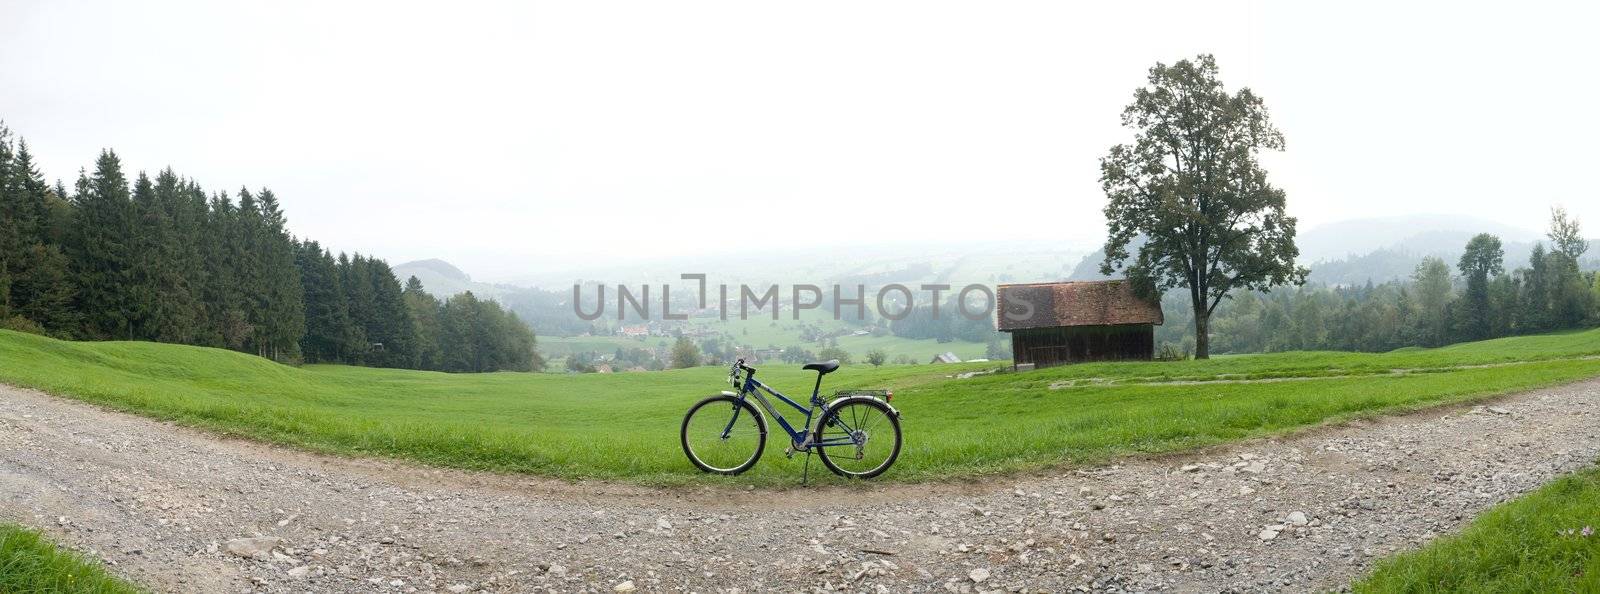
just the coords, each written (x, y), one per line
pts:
(683, 436)
(833, 410)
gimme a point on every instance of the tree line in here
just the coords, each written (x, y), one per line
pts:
(161, 259)
(1476, 298)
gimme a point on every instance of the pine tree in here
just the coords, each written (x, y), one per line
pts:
(40, 288)
(328, 331)
(62, 214)
(391, 323)
(458, 327)
(33, 214)
(1536, 281)
(282, 319)
(424, 310)
(162, 260)
(183, 207)
(226, 298)
(206, 275)
(249, 232)
(359, 302)
(101, 249)
(11, 242)
(163, 306)
(42, 292)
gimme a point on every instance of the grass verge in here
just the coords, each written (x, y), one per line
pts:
(29, 564)
(624, 426)
(1546, 541)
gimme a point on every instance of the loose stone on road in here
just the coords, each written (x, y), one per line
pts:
(181, 510)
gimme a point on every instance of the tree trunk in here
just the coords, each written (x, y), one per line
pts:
(1202, 333)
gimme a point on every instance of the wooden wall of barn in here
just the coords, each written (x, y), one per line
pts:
(1044, 347)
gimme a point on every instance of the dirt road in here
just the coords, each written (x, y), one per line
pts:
(172, 508)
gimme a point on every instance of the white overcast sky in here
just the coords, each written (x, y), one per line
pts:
(514, 137)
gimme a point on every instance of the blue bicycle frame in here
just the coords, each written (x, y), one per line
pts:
(800, 438)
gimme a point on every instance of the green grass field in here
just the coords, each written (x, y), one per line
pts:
(29, 564)
(1534, 544)
(624, 426)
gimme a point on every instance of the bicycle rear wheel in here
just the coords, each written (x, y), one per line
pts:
(723, 435)
(868, 434)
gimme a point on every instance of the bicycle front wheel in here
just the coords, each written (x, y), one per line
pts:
(859, 437)
(723, 435)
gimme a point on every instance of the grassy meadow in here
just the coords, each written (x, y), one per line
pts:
(29, 564)
(624, 426)
(1546, 541)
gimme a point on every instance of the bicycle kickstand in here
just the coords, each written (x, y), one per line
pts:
(806, 474)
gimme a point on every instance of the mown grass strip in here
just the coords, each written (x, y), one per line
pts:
(1546, 541)
(29, 564)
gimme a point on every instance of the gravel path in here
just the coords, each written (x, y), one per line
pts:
(174, 509)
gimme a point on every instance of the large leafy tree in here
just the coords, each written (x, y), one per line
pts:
(1483, 258)
(1433, 287)
(1191, 187)
(1566, 236)
(685, 354)
(1569, 290)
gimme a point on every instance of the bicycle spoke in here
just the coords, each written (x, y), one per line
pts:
(864, 440)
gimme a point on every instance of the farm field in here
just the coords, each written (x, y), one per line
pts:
(624, 426)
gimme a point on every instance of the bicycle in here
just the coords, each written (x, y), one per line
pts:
(725, 434)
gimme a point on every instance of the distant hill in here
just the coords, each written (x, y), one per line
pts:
(1390, 264)
(438, 267)
(1383, 249)
(443, 279)
(547, 312)
(1419, 234)
(1089, 267)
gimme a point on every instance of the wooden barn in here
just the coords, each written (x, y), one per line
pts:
(1072, 322)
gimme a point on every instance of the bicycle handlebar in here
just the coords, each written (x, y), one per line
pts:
(733, 371)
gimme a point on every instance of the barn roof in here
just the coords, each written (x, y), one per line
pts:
(1075, 303)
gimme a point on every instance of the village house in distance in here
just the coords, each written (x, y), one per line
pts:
(1071, 322)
